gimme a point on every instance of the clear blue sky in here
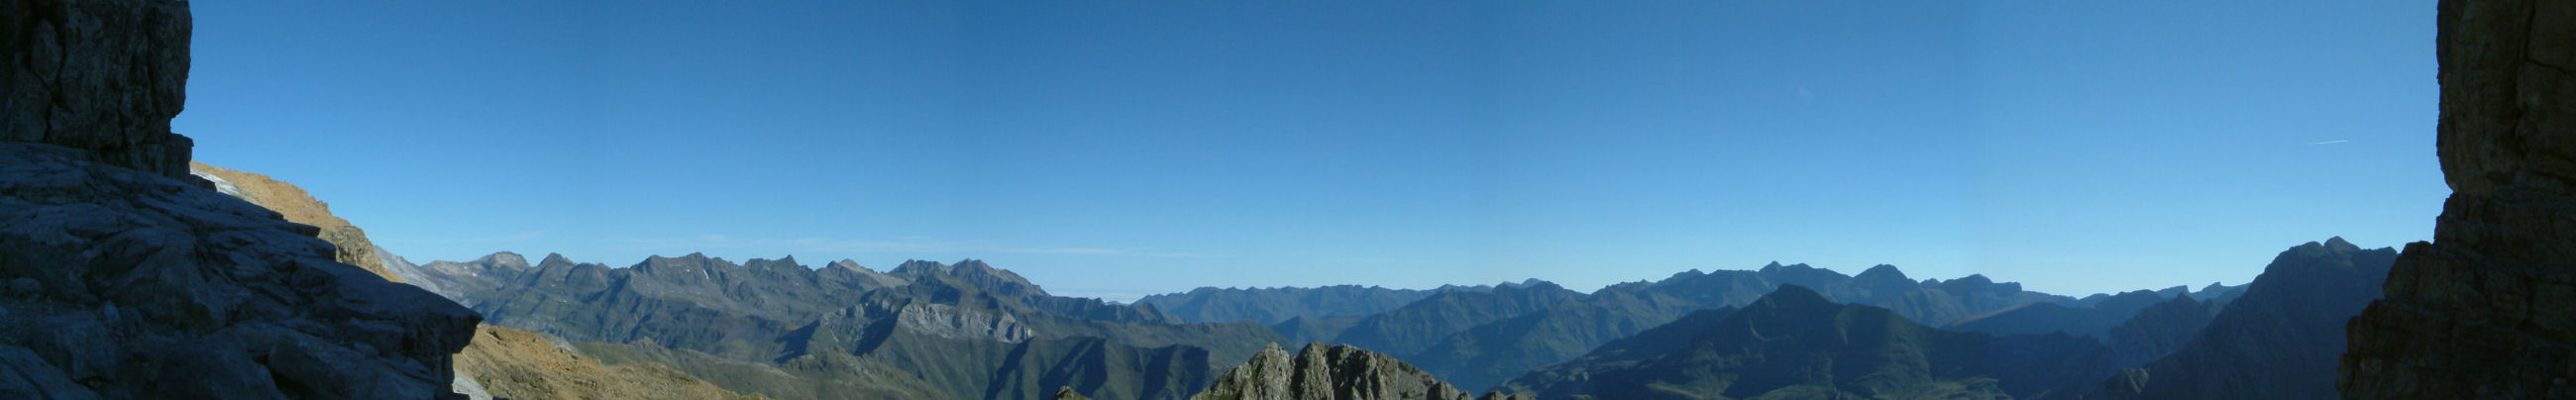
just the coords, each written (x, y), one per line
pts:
(1128, 147)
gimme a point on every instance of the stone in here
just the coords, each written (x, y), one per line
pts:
(100, 76)
(2482, 310)
(26, 287)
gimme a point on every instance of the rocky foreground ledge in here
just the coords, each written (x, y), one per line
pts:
(121, 284)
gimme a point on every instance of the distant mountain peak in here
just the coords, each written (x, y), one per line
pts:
(972, 271)
(919, 267)
(556, 260)
(1883, 273)
(845, 263)
(1793, 296)
(2338, 244)
(1975, 279)
(504, 259)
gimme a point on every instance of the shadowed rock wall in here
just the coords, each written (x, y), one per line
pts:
(103, 76)
(2488, 308)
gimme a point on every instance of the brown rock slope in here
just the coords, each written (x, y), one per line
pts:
(1330, 372)
(511, 363)
(351, 243)
(500, 362)
(2488, 309)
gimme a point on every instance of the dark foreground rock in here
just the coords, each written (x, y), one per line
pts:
(2488, 308)
(121, 276)
(128, 284)
(100, 76)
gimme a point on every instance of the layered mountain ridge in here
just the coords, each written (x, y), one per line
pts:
(2280, 340)
(783, 329)
(1796, 343)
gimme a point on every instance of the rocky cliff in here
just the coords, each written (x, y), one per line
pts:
(126, 277)
(1329, 372)
(102, 77)
(2488, 308)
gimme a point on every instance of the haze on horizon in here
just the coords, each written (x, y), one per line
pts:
(1118, 150)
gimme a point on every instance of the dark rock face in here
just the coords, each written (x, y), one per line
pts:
(2488, 309)
(1329, 372)
(126, 284)
(100, 76)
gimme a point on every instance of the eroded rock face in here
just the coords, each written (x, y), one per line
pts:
(127, 284)
(1329, 372)
(100, 76)
(2488, 308)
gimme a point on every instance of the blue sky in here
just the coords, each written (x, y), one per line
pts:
(1121, 148)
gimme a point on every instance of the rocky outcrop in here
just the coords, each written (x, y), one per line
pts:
(102, 77)
(1329, 372)
(349, 244)
(128, 284)
(2488, 308)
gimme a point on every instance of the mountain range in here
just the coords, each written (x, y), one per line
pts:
(786, 330)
